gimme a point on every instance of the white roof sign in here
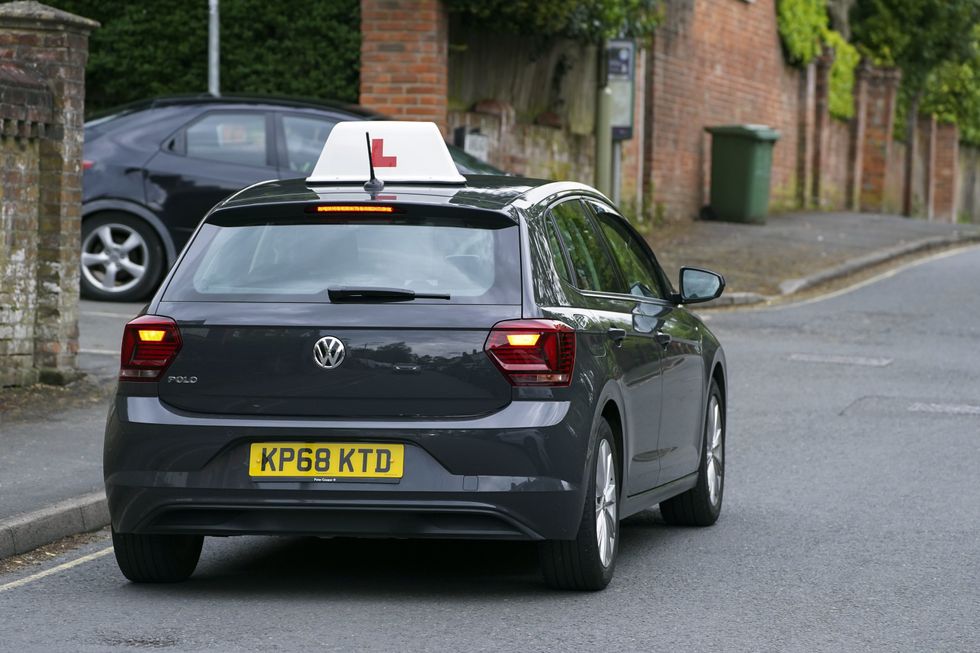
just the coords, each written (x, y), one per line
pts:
(400, 151)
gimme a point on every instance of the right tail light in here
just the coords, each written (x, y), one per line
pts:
(533, 352)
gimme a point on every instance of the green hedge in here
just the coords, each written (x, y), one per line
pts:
(306, 48)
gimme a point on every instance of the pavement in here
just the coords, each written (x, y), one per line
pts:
(850, 523)
(50, 473)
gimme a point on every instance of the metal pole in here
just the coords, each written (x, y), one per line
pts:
(603, 140)
(617, 170)
(214, 76)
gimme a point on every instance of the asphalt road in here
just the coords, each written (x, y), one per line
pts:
(851, 522)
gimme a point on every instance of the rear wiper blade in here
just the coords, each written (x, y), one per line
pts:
(349, 294)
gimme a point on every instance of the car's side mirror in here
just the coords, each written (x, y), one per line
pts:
(699, 285)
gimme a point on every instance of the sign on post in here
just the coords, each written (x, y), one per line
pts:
(620, 73)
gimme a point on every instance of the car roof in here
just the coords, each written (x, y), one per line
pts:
(488, 192)
(352, 110)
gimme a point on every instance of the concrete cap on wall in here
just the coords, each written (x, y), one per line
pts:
(30, 14)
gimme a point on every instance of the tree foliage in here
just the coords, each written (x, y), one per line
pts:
(935, 44)
(146, 49)
(588, 21)
(804, 28)
(802, 25)
(846, 60)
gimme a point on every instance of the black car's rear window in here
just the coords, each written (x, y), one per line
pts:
(300, 261)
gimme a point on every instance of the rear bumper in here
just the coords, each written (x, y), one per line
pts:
(516, 474)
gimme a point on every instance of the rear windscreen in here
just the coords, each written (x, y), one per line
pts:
(290, 262)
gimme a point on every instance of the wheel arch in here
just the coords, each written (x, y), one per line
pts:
(99, 207)
(612, 414)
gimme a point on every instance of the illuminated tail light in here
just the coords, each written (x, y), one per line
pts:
(150, 343)
(533, 352)
(87, 165)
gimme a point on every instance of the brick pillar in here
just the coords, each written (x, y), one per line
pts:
(404, 59)
(880, 92)
(855, 151)
(926, 134)
(821, 124)
(54, 45)
(947, 155)
(804, 150)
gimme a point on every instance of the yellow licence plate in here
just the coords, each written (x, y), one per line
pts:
(325, 461)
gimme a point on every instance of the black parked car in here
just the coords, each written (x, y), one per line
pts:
(154, 168)
(495, 358)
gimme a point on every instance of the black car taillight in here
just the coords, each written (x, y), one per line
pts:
(533, 352)
(150, 343)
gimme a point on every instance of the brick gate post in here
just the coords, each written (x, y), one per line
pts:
(54, 45)
(881, 89)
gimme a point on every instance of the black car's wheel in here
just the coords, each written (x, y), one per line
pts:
(122, 258)
(701, 505)
(588, 561)
(156, 558)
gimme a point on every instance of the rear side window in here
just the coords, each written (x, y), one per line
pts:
(229, 137)
(634, 262)
(300, 262)
(593, 268)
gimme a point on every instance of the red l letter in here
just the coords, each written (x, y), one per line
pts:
(378, 156)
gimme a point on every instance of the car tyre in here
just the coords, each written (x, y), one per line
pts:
(135, 257)
(156, 558)
(588, 561)
(701, 505)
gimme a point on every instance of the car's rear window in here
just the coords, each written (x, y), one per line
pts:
(300, 262)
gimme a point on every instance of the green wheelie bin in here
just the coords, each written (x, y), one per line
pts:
(741, 167)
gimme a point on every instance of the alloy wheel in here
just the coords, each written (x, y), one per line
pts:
(114, 258)
(606, 513)
(714, 452)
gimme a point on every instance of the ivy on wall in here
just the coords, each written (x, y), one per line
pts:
(805, 31)
(588, 21)
(148, 49)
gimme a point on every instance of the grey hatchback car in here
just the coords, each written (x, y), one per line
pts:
(502, 358)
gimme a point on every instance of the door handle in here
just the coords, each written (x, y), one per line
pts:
(617, 335)
(663, 338)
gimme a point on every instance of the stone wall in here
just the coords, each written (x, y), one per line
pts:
(42, 69)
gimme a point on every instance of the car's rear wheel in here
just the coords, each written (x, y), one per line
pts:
(156, 558)
(588, 561)
(701, 505)
(122, 258)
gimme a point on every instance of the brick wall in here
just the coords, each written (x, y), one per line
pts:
(42, 67)
(404, 61)
(717, 62)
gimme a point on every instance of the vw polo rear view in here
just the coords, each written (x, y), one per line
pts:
(421, 355)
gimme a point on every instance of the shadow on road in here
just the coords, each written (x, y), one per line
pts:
(369, 567)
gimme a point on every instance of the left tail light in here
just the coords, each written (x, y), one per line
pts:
(533, 352)
(150, 344)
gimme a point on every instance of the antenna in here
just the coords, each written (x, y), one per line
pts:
(372, 185)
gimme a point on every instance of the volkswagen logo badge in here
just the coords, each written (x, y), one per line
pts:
(329, 352)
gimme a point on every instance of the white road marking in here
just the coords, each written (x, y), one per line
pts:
(122, 316)
(100, 352)
(841, 360)
(947, 409)
(20, 582)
